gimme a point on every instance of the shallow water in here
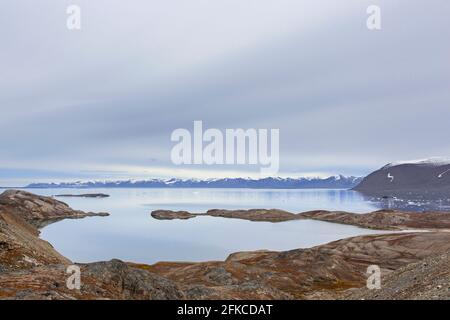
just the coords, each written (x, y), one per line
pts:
(131, 234)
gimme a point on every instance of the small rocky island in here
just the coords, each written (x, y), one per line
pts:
(270, 215)
(414, 264)
(84, 195)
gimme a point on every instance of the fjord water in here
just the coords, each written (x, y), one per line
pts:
(131, 234)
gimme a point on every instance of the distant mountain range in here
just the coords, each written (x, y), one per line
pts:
(333, 182)
(420, 179)
(428, 178)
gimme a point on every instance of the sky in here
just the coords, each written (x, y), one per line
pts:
(101, 103)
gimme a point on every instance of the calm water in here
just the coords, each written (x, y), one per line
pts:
(131, 234)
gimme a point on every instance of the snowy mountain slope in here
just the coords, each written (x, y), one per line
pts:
(427, 178)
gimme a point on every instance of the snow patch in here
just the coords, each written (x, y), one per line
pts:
(435, 161)
(442, 174)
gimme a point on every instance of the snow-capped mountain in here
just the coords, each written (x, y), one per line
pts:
(333, 182)
(427, 178)
(436, 161)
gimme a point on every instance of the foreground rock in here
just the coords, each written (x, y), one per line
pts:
(20, 246)
(31, 269)
(21, 213)
(101, 280)
(321, 272)
(39, 210)
(425, 280)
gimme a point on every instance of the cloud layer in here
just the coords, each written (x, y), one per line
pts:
(106, 98)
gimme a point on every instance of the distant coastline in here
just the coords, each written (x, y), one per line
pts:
(333, 182)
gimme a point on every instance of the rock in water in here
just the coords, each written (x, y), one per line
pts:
(171, 215)
(84, 195)
(269, 215)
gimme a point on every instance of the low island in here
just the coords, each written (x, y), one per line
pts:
(84, 195)
(379, 220)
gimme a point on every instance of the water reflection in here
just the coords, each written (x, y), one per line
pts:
(131, 234)
(415, 205)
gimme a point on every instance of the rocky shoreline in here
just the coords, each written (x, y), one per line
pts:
(39, 211)
(269, 215)
(413, 264)
(379, 220)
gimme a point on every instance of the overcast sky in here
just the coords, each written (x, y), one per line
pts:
(101, 103)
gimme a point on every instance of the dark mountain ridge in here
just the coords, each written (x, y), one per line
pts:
(419, 179)
(333, 182)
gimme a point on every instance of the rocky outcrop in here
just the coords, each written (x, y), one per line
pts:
(385, 219)
(30, 268)
(20, 246)
(380, 220)
(21, 213)
(39, 210)
(269, 215)
(424, 280)
(172, 215)
(101, 280)
(324, 271)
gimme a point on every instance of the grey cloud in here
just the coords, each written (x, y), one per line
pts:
(342, 96)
